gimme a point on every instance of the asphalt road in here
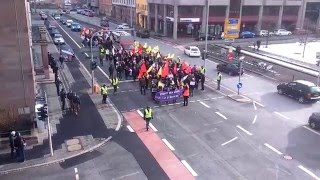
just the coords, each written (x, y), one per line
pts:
(221, 138)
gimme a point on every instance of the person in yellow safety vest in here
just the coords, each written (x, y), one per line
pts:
(104, 92)
(102, 54)
(107, 52)
(148, 115)
(115, 83)
(202, 70)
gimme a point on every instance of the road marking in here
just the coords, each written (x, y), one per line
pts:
(168, 144)
(308, 172)
(130, 128)
(189, 168)
(281, 115)
(219, 97)
(258, 103)
(193, 101)
(233, 139)
(141, 114)
(244, 130)
(248, 75)
(75, 170)
(254, 119)
(254, 105)
(204, 104)
(311, 130)
(77, 176)
(221, 115)
(273, 149)
(104, 73)
(86, 54)
(153, 128)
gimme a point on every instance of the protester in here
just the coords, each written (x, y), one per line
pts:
(11, 142)
(148, 115)
(186, 94)
(63, 96)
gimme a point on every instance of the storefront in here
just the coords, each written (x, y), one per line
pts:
(189, 26)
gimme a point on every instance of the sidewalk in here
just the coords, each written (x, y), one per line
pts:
(93, 127)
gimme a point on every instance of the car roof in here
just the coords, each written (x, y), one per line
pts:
(304, 82)
(70, 20)
(121, 33)
(193, 47)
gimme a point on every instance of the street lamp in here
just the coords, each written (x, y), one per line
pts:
(206, 31)
(305, 44)
(267, 39)
(240, 68)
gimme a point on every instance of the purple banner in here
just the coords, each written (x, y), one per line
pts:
(163, 96)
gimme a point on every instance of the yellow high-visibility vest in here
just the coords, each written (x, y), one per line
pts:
(104, 90)
(202, 70)
(115, 81)
(148, 113)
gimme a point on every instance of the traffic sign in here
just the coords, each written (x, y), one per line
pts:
(232, 28)
(239, 85)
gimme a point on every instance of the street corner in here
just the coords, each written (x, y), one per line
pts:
(240, 98)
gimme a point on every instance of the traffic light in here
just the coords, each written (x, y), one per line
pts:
(43, 112)
(94, 65)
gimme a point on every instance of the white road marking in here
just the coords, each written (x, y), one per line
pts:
(168, 144)
(273, 149)
(248, 75)
(130, 128)
(244, 130)
(140, 113)
(233, 139)
(193, 101)
(86, 54)
(312, 130)
(153, 128)
(155, 106)
(259, 104)
(254, 105)
(221, 115)
(254, 119)
(207, 106)
(281, 115)
(104, 72)
(220, 97)
(308, 172)
(170, 104)
(77, 176)
(76, 170)
(189, 168)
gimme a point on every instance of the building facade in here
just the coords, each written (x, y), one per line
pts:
(187, 18)
(124, 10)
(142, 13)
(105, 7)
(17, 88)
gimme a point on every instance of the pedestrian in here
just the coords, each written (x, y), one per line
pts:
(186, 93)
(203, 78)
(238, 51)
(192, 85)
(142, 82)
(111, 69)
(148, 115)
(258, 45)
(19, 143)
(49, 58)
(219, 77)
(11, 141)
(254, 45)
(119, 71)
(58, 83)
(63, 96)
(102, 55)
(115, 83)
(61, 59)
(104, 93)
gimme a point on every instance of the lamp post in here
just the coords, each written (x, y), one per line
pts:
(305, 44)
(206, 31)
(267, 39)
(240, 68)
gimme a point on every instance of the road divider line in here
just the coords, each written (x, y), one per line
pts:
(308, 172)
(259, 104)
(189, 168)
(140, 113)
(254, 119)
(221, 115)
(272, 148)
(254, 105)
(207, 106)
(233, 139)
(244, 130)
(281, 115)
(306, 127)
(168, 144)
(104, 73)
(75, 170)
(130, 128)
(153, 128)
(86, 54)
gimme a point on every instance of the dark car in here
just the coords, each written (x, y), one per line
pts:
(143, 33)
(63, 21)
(230, 68)
(247, 34)
(314, 120)
(53, 32)
(302, 90)
(75, 27)
(202, 37)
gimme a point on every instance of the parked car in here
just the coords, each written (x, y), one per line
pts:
(69, 22)
(52, 27)
(314, 120)
(282, 32)
(123, 26)
(265, 33)
(231, 68)
(143, 33)
(79, 11)
(202, 37)
(302, 90)
(58, 39)
(192, 51)
(44, 17)
(54, 31)
(57, 17)
(75, 27)
(247, 34)
(63, 21)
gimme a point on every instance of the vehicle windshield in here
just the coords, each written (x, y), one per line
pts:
(315, 89)
(194, 49)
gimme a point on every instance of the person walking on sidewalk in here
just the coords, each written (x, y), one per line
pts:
(63, 96)
(19, 144)
(104, 93)
(11, 142)
(258, 45)
(148, 115)
(115, 83)
(219, 77)
(186, 93)
(58, 83)
(102, 54)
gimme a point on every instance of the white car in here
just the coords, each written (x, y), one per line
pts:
(69, 22)
(264, 33)
(58, 39)
(123, 26)
(282, 32)
(192, 51)
(57, 17)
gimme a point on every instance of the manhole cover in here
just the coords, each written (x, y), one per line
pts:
(287, 157)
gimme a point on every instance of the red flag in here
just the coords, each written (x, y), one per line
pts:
(188, 70)
(184, 65)
(175, 68)
(143, 69)
(165, 70)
